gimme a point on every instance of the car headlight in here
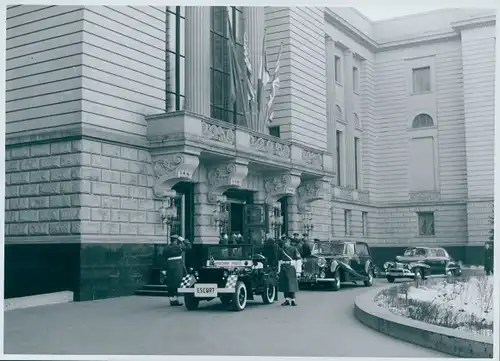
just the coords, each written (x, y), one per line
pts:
(196, 274)
(226, 273)
(321, 262)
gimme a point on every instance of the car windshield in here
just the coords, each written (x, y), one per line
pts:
(327, 248)
(229, 252)
(414, 252)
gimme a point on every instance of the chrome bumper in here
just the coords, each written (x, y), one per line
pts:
(399, 273)
(314, 280)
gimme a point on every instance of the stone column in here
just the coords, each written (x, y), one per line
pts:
(255, 25)
(330, 100)
(348, 105)
(197, 63)
(204, 229)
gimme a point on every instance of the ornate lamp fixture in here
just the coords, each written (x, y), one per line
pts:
(276, 220)
(168, 215)
(221, 214)
(307, 223)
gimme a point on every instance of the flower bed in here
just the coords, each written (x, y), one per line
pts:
(460, 303)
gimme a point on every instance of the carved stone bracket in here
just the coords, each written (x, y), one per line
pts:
(280, 185)
(172, 169)
(270, 147)
(218, 133)
(311, 191)
(225, 176)
(428, 196)
(310, 157)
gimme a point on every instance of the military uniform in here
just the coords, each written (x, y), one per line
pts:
(174, 254)
(488, 258)
(288, 283)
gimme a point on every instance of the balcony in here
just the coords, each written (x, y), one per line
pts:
(213, 139)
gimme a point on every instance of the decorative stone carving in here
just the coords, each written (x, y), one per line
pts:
(310, 157)
(223, 177)
(281, 185)
(363, 196)
(171, 169)
(218, 133)
(429, 196)
(269, 146)
(311, 191)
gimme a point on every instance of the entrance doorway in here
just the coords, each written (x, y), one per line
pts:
(237, 201)
(236, 217)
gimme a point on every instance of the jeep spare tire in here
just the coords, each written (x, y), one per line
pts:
(239, 299)
(269, 294)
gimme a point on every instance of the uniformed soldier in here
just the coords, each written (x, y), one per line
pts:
(488, 258)
(175, 268)
(270, 251)
(288, 275)
(186, 247)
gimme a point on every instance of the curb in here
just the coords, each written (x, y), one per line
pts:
(38, 300)
(442, 339)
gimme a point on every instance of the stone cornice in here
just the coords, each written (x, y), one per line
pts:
(478, 22)
(410, 40)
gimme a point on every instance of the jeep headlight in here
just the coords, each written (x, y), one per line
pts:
(321, 262)
(225, 274)
(387, 265)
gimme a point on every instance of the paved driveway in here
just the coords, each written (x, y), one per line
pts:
(322, 325)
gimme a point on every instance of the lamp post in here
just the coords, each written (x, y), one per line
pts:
(307, 223)
(221, 215)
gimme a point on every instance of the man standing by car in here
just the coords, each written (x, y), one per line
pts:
(288, 275)
(173, 255)
(488, 258)
(185, 247)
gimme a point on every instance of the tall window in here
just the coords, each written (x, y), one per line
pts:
(364, 220)
(175, 58)
(355, 79)
(339, 157)
(221, 106)
(356, 162)
(347, 222)
(338, 69)
(422, 80)
(426, 224)
(422, 120)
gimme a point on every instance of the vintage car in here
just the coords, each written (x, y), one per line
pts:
(233, 273)
(334, 262)
(421, 263)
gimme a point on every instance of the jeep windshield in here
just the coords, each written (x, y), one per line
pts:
(230, 252)
(327, 248)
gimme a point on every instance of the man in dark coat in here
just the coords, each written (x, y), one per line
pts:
(288, 283)
(305, 250)
(270, 251)
(173, 255)
(488, 258)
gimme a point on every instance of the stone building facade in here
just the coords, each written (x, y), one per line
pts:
(115, 113)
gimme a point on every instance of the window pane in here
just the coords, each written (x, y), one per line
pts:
(182, 38)
(217, 113)
(239, 26)
(218, 86)
(219, 19)
(171, 72)
(171, 36)
(219, 44)
(421, 80)
(182, 77)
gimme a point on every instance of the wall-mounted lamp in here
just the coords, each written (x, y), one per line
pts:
(307, 223)
(168, 215)
(221, 215)
(276, 220)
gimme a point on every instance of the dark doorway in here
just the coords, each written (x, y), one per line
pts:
(236, 217)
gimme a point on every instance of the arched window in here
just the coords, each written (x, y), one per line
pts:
(338, 114)
(357, 123)
(422, 121)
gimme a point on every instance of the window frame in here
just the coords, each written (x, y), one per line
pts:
(416, 125)
(364, 223)
(414, 72)
(357, 154)
(362, 246)
(225, 112)
(355, 79)
(338, 138)
(423, 229)
(338, 69)
(175, 90)
(347, 222)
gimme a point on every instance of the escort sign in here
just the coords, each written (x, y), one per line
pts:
(228, 263)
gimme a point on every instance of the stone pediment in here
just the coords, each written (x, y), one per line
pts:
(280, 185)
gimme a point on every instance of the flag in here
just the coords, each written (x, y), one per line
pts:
(275, 84)
(264, 77)
(248, 72)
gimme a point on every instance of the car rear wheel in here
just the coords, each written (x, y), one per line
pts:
(191, 302)
(369, 281)
(269, 294)
(390, 279)
(239, 298)
(336, 283)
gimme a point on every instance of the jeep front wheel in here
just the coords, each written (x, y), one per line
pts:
(239, 298)
(191, 302)
(369, 281)
(269, 294)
